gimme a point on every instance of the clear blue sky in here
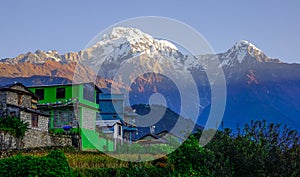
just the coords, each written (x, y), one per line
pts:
(66, 25)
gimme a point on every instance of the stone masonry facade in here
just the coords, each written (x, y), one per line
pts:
(16, 100)
(34, 138)
(42, 121)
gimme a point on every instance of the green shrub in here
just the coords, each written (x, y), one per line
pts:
(74, 131)
(54, 164)
(258, 149)
(189, 159)
(61, 131)
(57, 131)
(16, 126)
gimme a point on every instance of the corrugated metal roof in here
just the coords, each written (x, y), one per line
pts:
(107, 123)
(68, 84)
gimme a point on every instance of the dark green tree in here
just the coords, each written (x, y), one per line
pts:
(17, 126)
(259, 149)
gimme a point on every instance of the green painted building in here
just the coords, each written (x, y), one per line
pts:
(76, 106)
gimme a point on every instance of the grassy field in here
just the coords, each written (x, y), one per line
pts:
(93, 163)
(79, 159)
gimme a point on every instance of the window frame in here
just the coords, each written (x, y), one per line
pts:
(41, 97)
(89, 92)
(20, 99)
(34, 121)
(58, 91)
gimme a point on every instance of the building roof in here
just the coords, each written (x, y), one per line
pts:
(111, 96)
(68, 84)
(155, 139)
(105, 90)
(107, 123)
(167, 133)
(126, 128)
(30, 110)
(110, 116)
(149, 135)
(8, 87)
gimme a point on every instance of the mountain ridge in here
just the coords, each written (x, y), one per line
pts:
(253, 80)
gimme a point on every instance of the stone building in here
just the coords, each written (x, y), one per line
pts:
(18, 101)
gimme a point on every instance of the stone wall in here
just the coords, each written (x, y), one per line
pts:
(7, 141)
(34, 138)
(3, 97)
(42, 121)
(26, 117)
(12, 98)
(26, 101)
(2, 103)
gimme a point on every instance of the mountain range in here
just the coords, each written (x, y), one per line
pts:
(257, 87)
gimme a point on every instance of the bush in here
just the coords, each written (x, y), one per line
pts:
(54, 164)
(74, 131)
(16, 126)
(258, 149)
(57, 131)
(189, 159)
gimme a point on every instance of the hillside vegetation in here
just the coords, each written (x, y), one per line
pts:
(257, 149)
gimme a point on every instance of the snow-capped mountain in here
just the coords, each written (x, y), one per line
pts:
(258, 87)
(122, 44)
(123, 41)
(40, 57)
(244, 52)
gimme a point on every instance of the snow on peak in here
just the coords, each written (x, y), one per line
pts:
(121, 43)
(131, 34)
(243, 44)
(137, 40)
(134, 35)
(243, 48)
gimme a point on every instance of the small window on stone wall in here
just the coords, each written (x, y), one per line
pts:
(34, 120)
(20, 100)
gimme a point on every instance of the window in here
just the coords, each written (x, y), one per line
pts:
(63, 117)
(88, 92)
(60, 93)
(34, 120)
(40, 93)
(20, 100)
(120, 130)
(97, 97)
